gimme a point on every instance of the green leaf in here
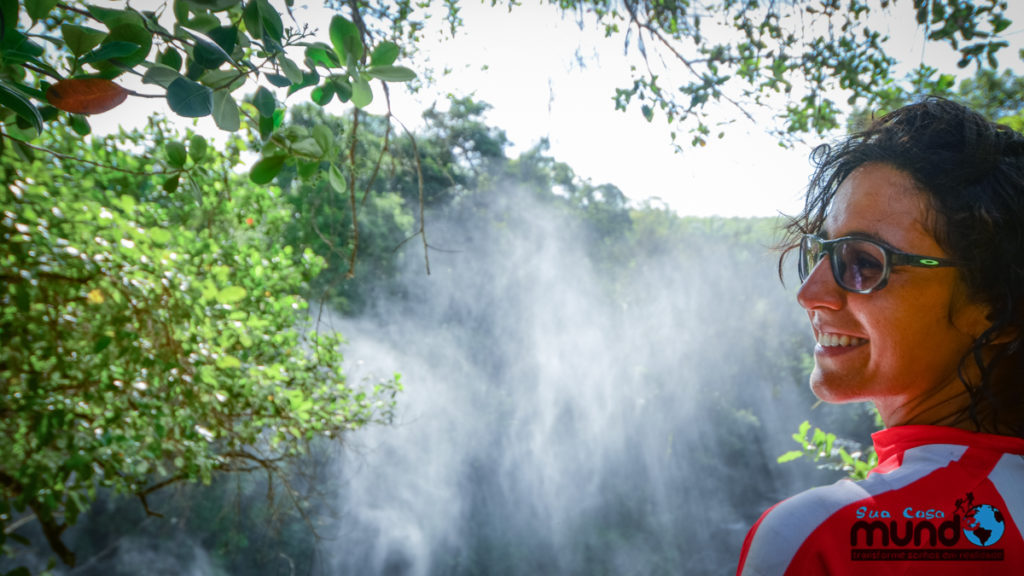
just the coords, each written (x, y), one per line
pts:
(263, 21)
(309, 78)
(801, 434)
(211, 5)
(160, 75)
(110, 50)
(266, 127)
(362, 95)
(214, 48)
(203, 22)
(170, 185)
(251, 19)
(324, 137)
(159, 235)
(11, 99)
(264, 171)
(789, 456)
(345, 38)
(321, 54)
(391, 73)
(170, 58)
(9, 13)
(225, 111)
(197, 147)
(81, 39)
(307, 168)
(18, 46)
(1000, 23)
(264, 102)
(49, 113)
(189, 99)
(277, 80)
(342, 88)
(231, 294)
(271, 21)
(101, 344)
(225, 362)
(322, 94)
(39, 9)
(112, 18)
(336, 179)
(384, 54)
(79, 124)
(176, 154)
(133, 33)
(290, 69)
(307, 147)
(223, 80)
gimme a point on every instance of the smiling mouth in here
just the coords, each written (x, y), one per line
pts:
(826, 340)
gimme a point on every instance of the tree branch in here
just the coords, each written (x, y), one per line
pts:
(422, 232)
(52, 530)
(63, 156)
(354, 139)
(384, 149)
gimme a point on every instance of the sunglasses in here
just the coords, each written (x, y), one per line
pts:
(858, 265)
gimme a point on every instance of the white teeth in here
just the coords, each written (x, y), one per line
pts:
(833, 340)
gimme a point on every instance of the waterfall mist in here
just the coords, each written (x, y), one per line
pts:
(574, 403)
(564, 415)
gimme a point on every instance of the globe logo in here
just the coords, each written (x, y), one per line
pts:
(984, 525)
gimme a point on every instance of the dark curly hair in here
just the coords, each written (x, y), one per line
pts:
(972, 171)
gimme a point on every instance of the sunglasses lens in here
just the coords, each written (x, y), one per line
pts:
(858, 266)
(810, 254)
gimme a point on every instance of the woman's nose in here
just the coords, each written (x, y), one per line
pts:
(820, 290)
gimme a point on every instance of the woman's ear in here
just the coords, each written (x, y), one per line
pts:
(970, 317)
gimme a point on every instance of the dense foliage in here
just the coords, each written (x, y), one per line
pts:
(152, 337)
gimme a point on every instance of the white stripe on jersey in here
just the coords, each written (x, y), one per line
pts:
(788, 525)
(1006, 478)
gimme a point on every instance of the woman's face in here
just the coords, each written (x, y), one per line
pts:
(900, 346)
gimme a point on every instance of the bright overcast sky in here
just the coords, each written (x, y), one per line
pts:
(524, 64)
(539, 88)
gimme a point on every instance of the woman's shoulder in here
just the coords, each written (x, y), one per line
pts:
(777, 536)
(797, 516)
(932, 474)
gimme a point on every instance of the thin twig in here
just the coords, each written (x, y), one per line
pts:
(352, 193)
(141, 95)
(384, 149)
(291, 494)
(422, 232)
(145, 506)
(162, 484)
(83, 161)
(679, 56)
(39, 70)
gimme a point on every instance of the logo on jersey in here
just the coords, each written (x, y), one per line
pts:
(928, 534)
(983, 523)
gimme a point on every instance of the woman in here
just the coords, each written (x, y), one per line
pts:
(911, 255)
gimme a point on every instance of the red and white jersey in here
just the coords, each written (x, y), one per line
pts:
(941, 501)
